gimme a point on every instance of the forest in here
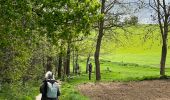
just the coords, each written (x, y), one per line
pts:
(96, 49)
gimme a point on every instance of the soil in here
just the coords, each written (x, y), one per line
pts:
(142, 90)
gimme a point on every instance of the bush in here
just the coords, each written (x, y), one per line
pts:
(18, 92)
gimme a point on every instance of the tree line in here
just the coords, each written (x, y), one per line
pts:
(37, 36)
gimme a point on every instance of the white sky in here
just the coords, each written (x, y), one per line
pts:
(144, 14)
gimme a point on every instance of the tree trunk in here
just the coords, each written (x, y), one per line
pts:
(65, 67)
(73, 62)
(87, 63)
(49, 64)
(100, 35)
(164, 50)
(56, 66)
(59, 65)
(68, 60)
(44, 69)
(76, 62)
(163, 60)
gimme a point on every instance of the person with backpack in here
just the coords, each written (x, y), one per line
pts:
(49, 89)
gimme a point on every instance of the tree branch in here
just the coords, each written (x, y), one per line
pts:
(150, 4)
(159, 19)
(110, 6)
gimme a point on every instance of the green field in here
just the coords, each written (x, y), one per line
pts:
(137, 60)
(122, 72)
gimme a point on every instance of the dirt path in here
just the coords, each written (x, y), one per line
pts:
(144, 90)
(38, 97)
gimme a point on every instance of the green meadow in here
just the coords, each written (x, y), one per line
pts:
(134, 57)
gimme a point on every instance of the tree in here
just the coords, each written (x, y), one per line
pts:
(60, 60)
(99, 39)
(133, 20)
(162, 9)
(66, 20)
(109, 19)
(16, 23)
(23, 50)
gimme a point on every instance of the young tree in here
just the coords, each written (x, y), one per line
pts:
(60, 60)
(162, 9)
(109, 19)
(99, 40)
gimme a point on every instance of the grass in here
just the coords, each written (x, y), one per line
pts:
(18, 91)
(130, 59)
(111, 71)
(69, 92)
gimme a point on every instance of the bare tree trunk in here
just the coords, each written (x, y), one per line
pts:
(76, 62)
(163, 60)
(59, 65)
(101, 29)
(56, 66)
(44, 64)
(68, 60)
(164, 51)
(87, 63)
(64, 67)
(73, 62)
(49, 64)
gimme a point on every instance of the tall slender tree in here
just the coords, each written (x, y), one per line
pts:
(109, 19)
(99, 40)
(162, 9)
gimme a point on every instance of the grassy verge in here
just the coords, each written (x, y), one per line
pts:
(18, 91)
(110, 71)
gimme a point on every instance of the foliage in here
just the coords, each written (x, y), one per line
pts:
(17, 91)
(66, 19)
(31, 31)
(133, 20)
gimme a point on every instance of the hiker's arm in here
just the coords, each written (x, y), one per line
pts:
(42, 88)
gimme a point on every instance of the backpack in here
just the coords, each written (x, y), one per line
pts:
(52, 89)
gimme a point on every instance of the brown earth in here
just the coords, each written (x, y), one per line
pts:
(143, 90)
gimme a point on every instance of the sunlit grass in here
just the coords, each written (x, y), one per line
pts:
(134, 57)
(110, 72)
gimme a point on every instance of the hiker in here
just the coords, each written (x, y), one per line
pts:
(49, 89)
(90, 71)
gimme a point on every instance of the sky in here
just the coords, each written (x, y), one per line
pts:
(144, 14)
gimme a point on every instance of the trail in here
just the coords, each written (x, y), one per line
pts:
(143, 90)
(38, 97)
